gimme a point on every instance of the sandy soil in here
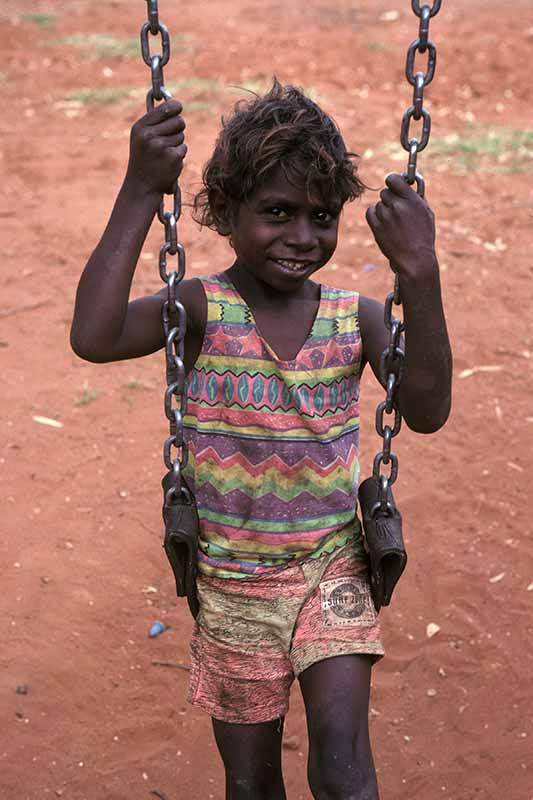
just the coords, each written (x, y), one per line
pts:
(84, 575)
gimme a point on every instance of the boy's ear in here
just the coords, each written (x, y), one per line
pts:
(222, 211)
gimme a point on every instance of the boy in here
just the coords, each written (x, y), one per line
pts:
(274, 362)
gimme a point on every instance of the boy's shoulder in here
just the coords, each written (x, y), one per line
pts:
(338, 311)
(211, 283)
(337, 291)
(199, 292)
(335, 300)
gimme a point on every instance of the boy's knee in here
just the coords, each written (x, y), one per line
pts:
(348, 780)
(259, 786)
(340, 769)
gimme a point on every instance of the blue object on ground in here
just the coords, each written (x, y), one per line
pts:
(156, 629)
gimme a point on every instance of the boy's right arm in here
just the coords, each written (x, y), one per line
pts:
(106, 326)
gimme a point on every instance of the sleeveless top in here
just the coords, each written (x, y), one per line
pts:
(273, 445)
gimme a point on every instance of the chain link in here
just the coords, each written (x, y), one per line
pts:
(174, 316)
(392, 364)
(419, 80)
(158, 61)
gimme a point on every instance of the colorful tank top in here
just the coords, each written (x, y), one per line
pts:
(273, 445)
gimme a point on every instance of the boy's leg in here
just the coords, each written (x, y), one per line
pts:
(252, 759)
(336, 694)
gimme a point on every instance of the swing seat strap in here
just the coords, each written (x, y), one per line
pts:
(182, 531)
(382, 525)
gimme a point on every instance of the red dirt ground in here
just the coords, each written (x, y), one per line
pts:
(84, 575)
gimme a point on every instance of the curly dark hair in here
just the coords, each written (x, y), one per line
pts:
(283, 129)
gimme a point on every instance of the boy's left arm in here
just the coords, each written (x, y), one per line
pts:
(404, 228)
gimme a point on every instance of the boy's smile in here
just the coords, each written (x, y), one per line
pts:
(281, 235)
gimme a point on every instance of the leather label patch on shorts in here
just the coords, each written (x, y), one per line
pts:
(347, 601)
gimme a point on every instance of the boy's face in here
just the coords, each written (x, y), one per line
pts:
(281, 235)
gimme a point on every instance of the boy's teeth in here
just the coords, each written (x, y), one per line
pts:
(292, 264)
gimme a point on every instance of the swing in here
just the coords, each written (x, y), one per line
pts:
(382, 522)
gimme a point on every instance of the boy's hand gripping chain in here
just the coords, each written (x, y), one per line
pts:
(179, 508)
(382, 521)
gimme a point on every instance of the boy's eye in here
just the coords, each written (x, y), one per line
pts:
(324, 216)
(278, 213)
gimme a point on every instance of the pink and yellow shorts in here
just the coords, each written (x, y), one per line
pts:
(253, 636)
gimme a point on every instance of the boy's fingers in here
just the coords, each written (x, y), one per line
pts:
(371, 217)
(387, 197)
(398, 184)
(173, 141)
(168, 127)
(172, 146)
(169, 109)
(381, 211)
(167, 142)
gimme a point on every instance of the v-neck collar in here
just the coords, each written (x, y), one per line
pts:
(260, 334)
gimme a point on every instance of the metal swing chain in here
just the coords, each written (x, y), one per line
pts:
(419, 81)
(393, 357)
(174, 316)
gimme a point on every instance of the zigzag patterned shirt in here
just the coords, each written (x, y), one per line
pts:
(273, 445)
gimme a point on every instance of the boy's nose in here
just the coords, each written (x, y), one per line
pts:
(300, 234)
